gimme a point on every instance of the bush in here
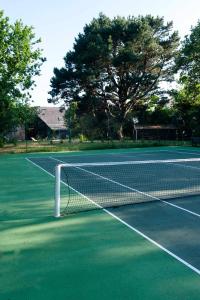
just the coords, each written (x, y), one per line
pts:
(13, 141)
(82, 138)
(1, 142)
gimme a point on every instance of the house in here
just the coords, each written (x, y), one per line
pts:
(50, 123)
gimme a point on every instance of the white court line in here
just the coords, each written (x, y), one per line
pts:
(127, 225)
(182, 152)
(128, 162)
(129, 188)
(185, 166)
(130, 154)
(144, 151)
(67, 185)
(135, 154)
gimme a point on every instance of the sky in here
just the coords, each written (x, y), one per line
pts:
(58, 23)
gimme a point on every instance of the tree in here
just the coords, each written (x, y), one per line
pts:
(187, 108)
(20, 61)
(115, 65)
(188, 61)
(187, 99)
(25, 115)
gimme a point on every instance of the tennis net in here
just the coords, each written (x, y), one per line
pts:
(86, 186)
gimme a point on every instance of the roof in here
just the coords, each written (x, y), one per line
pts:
(155, 127)
(53, 117)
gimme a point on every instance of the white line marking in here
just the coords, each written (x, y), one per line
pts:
(155, 243)
(128, 162)
(129, 188)
(150, 153)
(185, 166)
(129, 226)
(136, 153)
(144, 151)
(67, 185)
(182, 152)
(28, 159)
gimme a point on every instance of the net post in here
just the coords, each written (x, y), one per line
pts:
(57, 191)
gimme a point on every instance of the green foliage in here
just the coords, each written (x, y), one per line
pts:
(161, 115)
(187, 109)
(82, 138)
(25, 114)
(1, 142)
(71, 119)
(115, 66)
(20, 61)
(86, 124)
(187, 99)
(188, 60)
(13, 141)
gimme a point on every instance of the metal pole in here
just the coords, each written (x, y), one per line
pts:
(69, 124)
(57, 191)
(25, 127)
(135, 122)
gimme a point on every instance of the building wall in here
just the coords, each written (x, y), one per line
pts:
(17, 134)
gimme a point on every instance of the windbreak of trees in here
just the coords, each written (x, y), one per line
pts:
(116, 71)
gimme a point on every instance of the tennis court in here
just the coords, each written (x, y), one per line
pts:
(129, 225)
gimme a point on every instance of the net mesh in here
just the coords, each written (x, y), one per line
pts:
(89, 186)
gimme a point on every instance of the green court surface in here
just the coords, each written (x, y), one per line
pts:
(88, 255)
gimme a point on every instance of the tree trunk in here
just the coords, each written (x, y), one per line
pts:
(121, 122)
(120, 132)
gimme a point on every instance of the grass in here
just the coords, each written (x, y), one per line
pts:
(46, 146)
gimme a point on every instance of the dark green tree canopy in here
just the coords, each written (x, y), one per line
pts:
(187, 98)
(20, 61)
(117, 64)
(189, 59)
